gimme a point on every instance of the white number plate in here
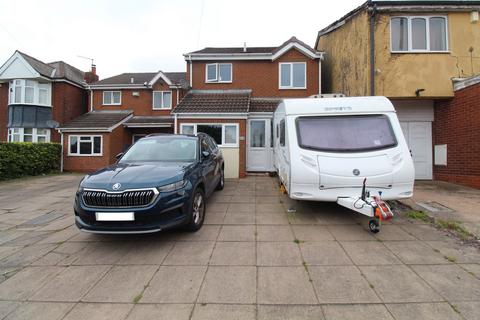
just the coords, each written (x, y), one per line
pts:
(114, 216)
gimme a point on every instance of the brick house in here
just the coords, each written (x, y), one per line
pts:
(229, 93)
(36, 97)
(411, 52)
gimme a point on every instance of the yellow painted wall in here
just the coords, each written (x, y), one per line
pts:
(347, 61)
(231, 158)
(400, 74)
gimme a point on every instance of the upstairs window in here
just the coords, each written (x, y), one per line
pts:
(219, 72)
(419, 34)
(112, 97)
(162, 100)
(29, 92)
(293, 75)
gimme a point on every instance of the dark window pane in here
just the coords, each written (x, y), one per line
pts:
(97, 144)
(282, 133)
(73, 144)
(345, 133)
(213, 130)
(399, 34)
(85, 148)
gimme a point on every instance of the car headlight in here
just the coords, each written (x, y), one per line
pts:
(172, 186)
(80, 188)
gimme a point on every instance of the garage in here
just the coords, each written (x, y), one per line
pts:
(416, 117)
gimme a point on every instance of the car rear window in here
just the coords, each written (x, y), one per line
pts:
(345, 133)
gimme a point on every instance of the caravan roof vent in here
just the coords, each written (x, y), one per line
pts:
(328, 95)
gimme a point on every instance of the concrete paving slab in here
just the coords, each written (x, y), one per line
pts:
(415, 252)
(61, 235)
(71, 284)
(98, 253)
(424, 311)
(341, 284)
(472, 268)
(5, 251)
(40, 311)
(357, 312)
(233, 253)
(266, 312)
(99, 311)
(350, 233)
(178, 284)
(284, 285)
(28, 238)
(274, 233)
(278, 254)
(423, 232)
(206, 233)
(241, 208)
(161, 312)
(369, 253)
(324, 253)
(24, 283)
(391, 232)
(214, 218)
(7, 306)
(231, 284)
(190, 253)
(224, 312)
(398, 283)
(147, 253)
(239, 218)
(8, 272)
(468, 309)
(269, 208)
(267, 199)
(26, 255)
(50, 259)
(460, 253)
(451, 281)
(237, 233)
(312, 233)
(121, 284)
(271, 219)
(216, 207)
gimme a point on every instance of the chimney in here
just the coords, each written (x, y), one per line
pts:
(91, 76)
(132, 80)
(244, 47)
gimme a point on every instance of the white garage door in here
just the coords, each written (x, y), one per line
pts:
(419, 139)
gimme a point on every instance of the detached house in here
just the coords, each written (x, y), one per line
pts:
(37, 97)
(413, 52)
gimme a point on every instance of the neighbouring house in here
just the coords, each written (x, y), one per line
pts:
(36, 97)
(234, 92)
(122, 109)
(411, 52)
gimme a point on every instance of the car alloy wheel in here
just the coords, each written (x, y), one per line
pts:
(198, 208)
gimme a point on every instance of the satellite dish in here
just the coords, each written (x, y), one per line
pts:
(52, 124)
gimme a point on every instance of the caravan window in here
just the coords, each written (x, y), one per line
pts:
(282, 133)
(345, 133)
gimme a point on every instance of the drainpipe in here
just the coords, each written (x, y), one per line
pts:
(175, 123)
(191, 70)
(320, 75)
(373, 11)
(91, 98)
(61, 158)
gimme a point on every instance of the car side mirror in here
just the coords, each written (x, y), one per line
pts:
(119, 156)
(205, 154)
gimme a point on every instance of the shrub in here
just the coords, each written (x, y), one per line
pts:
(20, 159)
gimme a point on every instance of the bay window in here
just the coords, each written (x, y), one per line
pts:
(162, 99)
(293, 75)
(418, 34)
(23, 91)
(112, 97)
(224, 134)
(28, 135)
(219, 72)
(85, 145)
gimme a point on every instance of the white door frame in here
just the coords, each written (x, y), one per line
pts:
(267, 156)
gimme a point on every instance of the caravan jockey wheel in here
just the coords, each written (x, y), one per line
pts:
(374, 226)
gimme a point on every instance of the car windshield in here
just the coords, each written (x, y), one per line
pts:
(345, 133)
(174, 149)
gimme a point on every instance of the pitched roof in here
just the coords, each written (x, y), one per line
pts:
(55, 70)
(98, 120)
(149, 121)
(140, 78)
(215, 101)
(263, 104)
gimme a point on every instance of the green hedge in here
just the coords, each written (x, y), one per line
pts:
(18, 159)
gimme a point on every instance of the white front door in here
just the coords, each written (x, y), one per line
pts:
(419, 140)
(259, 146)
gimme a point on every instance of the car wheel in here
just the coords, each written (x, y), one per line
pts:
(221, 183)
(196, 210)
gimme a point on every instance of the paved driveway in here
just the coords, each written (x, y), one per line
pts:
(251, 260)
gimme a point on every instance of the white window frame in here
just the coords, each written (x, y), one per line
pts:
(223, 144)
(21, 133)
(36, 92)
(162, 106)
(77, 154)
(217, 73)
(409, 33)
(290, 87)
(111, 98)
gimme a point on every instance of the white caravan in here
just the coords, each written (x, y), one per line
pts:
(348, 150)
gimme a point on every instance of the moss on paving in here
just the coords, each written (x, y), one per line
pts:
(454, 226)
(417, 215)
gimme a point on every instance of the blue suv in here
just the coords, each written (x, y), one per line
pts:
(161, 182)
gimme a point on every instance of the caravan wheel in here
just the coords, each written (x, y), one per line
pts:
(374, 226)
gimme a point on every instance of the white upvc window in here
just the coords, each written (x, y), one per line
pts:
(23, 91)
(418, 34)
(162, 99)
(292, 75)
(28, 135)
(112, 98)
(85, 145)
(218, 73)
(224, 134)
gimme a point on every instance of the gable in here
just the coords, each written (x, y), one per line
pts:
(17, 67)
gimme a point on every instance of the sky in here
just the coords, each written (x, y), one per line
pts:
(143, 35)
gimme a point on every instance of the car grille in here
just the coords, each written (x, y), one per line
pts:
(129, 198)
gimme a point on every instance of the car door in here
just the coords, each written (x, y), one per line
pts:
(208, 165)
(218, 157)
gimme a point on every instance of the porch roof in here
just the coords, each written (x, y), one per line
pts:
(214, 101)
(264, 104)
(97, 121)
(149, 122)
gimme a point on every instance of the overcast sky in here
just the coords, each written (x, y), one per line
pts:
(137, 35)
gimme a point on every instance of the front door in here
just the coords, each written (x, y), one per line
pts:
(419, 140)
(259, 145)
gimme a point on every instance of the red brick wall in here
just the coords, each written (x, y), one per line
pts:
(3, 111)
(260, 76)
(141, 105)
(457, 124)
(242, 168)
